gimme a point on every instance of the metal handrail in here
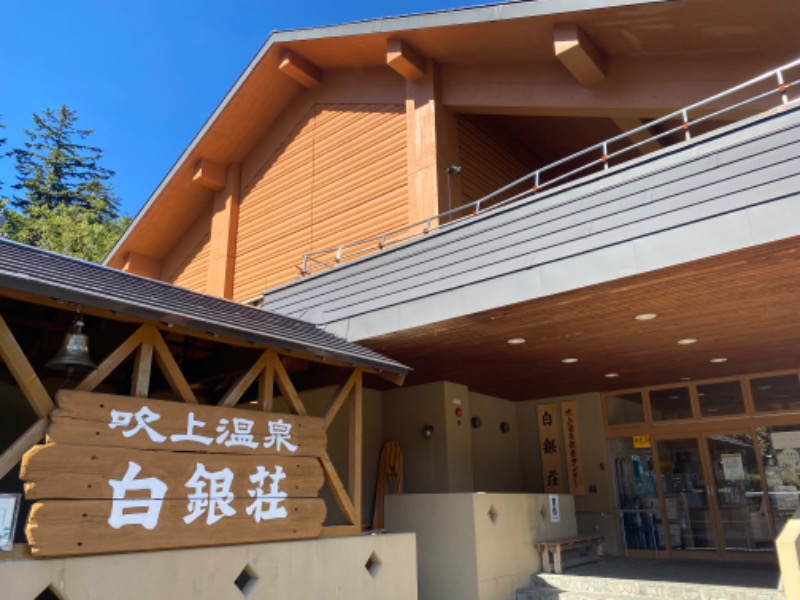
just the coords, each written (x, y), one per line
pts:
(312, 262)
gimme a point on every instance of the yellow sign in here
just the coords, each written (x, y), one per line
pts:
(641, 441)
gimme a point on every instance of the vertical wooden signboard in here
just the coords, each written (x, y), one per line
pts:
(549, 448)
(569, 420)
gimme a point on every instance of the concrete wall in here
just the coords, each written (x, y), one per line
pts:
(593, 509)
(442, 463)
(495, 455)
(465, 553)
(327, 568)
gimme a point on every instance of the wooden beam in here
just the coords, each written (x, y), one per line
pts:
(189, 332)
(222, 241)
(209, 174)
(643, 137)
(298, 68)
(340, 531)
(356, 452)
(23, 373)
(112, 361)
(142, 367)
(233, 395)
(392, 377)
(139, 264)
(13, 454)
(339, 398)
(286, 386)
(339, 493)
(266, 387)
(169, 367)
(636, 87)
(404, 59)
(578, 54)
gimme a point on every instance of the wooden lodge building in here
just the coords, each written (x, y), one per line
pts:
(572, 226)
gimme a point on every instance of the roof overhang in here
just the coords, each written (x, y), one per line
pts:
(238, 122)
(54, 278)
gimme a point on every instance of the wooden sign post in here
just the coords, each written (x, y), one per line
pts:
(124, 474)
(569, 419)
(549, 448)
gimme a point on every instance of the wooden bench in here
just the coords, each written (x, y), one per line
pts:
(593, 544)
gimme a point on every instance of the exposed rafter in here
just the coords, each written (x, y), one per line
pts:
(140, 264)
(404, 59)
(209, 174)
(298, 68)
(578, 54)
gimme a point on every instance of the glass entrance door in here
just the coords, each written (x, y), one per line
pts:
(703, 494)
(687, 508)
(739, 494)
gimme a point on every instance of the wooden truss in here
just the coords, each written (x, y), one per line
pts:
(268, 370)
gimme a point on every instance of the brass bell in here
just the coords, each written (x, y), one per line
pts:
(74, 352)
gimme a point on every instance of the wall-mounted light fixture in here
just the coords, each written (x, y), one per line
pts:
(427, 432)
(505, 427)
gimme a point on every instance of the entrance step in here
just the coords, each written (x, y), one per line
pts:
(641, 578)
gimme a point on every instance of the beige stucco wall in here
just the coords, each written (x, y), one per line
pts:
(462, 553)
(442, 463)
(593, 508)
(495, 455)
(318, 569)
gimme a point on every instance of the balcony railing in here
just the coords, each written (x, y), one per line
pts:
(774, 84)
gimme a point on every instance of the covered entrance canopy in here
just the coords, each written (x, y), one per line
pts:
(674, 275)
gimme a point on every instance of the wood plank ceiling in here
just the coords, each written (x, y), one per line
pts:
(741, 306)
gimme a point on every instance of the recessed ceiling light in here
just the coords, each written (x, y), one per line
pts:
(611, 375)
(569, 360)
(719, 360)
(646, 316)
(687, 341)
(516, 341)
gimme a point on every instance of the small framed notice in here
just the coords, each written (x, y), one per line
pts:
(9, 510)
(555, 512)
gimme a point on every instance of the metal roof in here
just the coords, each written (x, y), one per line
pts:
(35, 271)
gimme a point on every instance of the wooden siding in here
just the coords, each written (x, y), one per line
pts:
(486, 163)
(711, 177)
(187, 263)
(340, 176)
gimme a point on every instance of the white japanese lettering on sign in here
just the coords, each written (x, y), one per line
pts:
(233, 432)
(211, 496)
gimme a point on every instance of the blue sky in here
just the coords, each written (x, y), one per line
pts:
(145, 74)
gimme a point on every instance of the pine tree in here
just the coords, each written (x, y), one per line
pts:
(56, 169)
(2, 143)
(67, 203)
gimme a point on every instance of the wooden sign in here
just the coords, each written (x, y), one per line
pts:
(549, 448)
(85, 418)
(124, 474)
(569, 420)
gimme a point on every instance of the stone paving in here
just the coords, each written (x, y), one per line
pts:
(654, 578)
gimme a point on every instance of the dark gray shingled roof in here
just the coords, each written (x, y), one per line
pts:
(28, 269)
